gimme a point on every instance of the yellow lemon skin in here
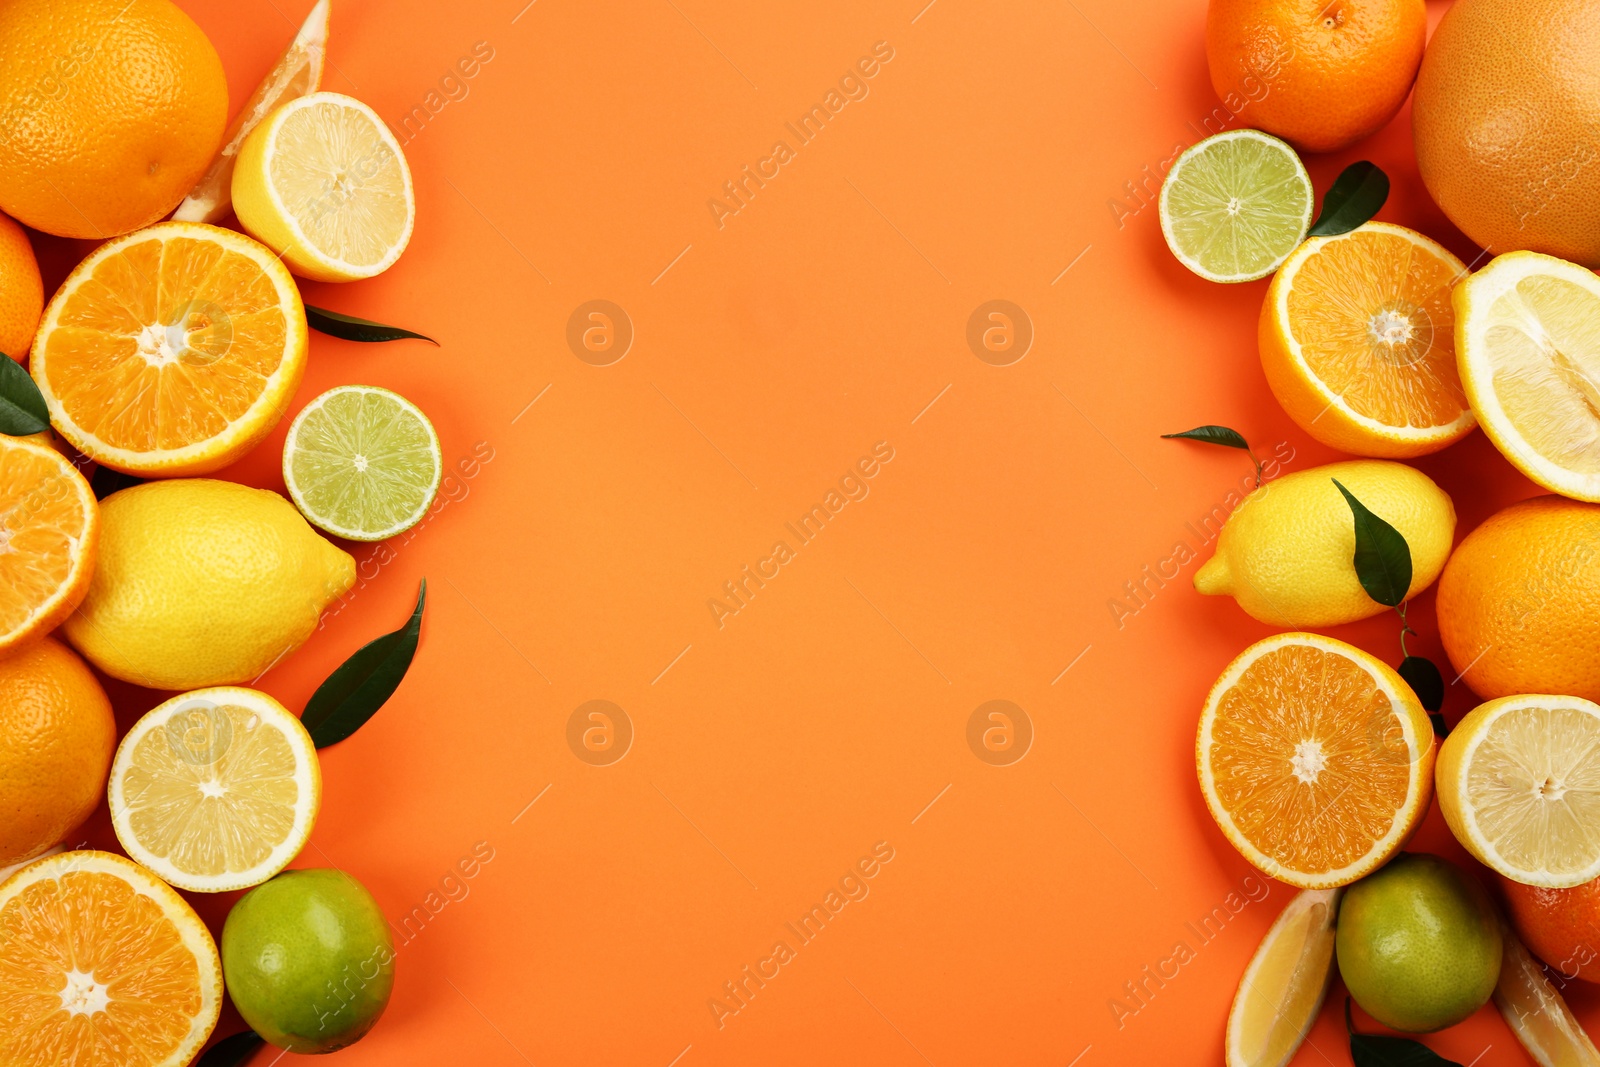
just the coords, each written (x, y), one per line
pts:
(203, 582)
(1286, 553)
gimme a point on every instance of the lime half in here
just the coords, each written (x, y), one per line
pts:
(362, 463)
(1235, 205)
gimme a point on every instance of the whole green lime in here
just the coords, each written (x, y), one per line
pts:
(308, 960)
(1418, 944)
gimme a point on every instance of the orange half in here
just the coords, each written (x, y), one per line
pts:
(49, 535)
(171, 351)
(1315, 758)
(1357, 339)
(102, 963)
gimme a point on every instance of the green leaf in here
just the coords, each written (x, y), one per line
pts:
(1425, 681)
(1353, 198)
(1382, 559)
(350, 328)
(1212, 435)
(1374, 1050)
(106, 481)
(232, 1051)
(353, 694)
(22, 406)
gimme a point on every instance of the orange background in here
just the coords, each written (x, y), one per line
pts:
(595, 510)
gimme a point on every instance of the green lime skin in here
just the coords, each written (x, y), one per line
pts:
(308, 960)
(1418, 944)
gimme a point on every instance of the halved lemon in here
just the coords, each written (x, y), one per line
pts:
(362, 463)
(1357, 339)
(171, 351)
(102, 963)
(49, 538)
(1235, 205)
(1284, 985)
(1528, 343)
(1519, 783)
(297, 72)
(1536, 1013)
(1315, 758)
(215, 789)
(324, 182)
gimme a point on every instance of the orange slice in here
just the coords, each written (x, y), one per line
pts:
(49, 534)
(1357, 339)
(171, 351)
(297, 73)
(102, 963)
(1315, 759)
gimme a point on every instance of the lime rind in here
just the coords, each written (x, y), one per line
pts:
(1236, 205)
(362, 463)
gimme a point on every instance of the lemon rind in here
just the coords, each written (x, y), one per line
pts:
(1476, 842)
(283, 852)
(1407, 815)
(1172, 175)
(1284, 285)
(244, 432)
(191, 930)
(1473, 299)
(339, 269)
(293, 486)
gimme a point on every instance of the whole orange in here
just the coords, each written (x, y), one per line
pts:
(1519, 601)
(21, 291)
(110, 110)
(1319, 74)
(56, 738)
(1561, 926)
(1507, 124)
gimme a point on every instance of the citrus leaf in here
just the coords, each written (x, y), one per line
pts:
(1425, 681)
(106, 481)
(1353, 198)
(22, 407)
(1376, 1050)
(1212, 435)
(1382, 559)
(350, 328)
(353, 694)
(232, 1051)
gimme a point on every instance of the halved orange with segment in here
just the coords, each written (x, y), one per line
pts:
(101, 962)
(1315, 758)
(1357, 339)
(49, 536)
(172, 350)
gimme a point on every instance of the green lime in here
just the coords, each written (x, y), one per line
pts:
(1235, 205)
(308, 960)
(362, 463)
(1418, 944)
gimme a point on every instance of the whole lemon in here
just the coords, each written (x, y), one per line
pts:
(308, 960)
(1519, 601)
(1286, 553)
(1418, 944)
(1506, 120)
(56, 737)
(112, 111)
(203, 582)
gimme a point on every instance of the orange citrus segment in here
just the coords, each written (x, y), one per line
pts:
(1315, 759)
(1357, 340)
(102, 963)
(49, 532)
(173, 350)
(298, 72)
